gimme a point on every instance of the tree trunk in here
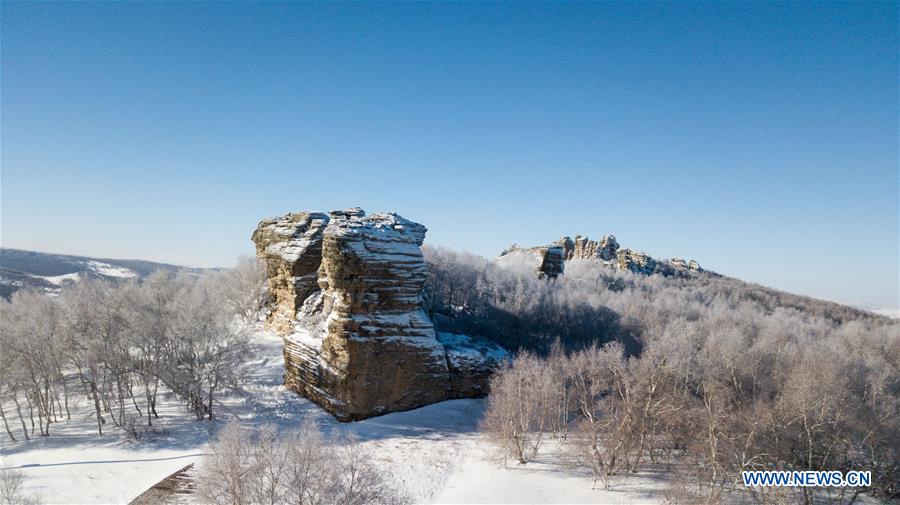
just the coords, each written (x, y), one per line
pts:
(21, 418)
(6, 424)
(97, 409)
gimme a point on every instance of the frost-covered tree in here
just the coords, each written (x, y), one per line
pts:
(520, 408)
(117, 344)
(32, 344)
(206, 351)
(151, 310)
(245, 289)
(300, 467)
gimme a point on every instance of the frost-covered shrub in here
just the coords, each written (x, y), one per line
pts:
(300, 467)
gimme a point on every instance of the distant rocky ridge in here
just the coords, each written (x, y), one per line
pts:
(346, 290)
(549, 260)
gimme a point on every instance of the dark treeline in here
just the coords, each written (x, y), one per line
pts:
(706, 375)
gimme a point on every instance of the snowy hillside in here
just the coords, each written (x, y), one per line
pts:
(49, 272)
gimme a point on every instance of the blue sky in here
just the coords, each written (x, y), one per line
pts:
(760, 139)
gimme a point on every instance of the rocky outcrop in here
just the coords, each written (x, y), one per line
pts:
(682, 265)
(347, 298)
(546, 259)
(635, 262)
(583, 248)
(550, 260)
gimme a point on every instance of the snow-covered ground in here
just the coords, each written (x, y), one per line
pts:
(892, 312)
(110, 270)
(478, 478)
(59, 280)
(435, 451)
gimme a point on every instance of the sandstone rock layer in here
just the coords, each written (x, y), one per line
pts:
(347, 298)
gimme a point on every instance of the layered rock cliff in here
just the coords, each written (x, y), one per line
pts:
(347, 298)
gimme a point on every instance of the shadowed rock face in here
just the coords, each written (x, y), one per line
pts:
(291, 247)
(347, 297)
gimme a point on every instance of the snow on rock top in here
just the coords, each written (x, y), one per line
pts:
(347, 296)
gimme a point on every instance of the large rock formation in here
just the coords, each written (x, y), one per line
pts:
(347, 298)
(549, 260)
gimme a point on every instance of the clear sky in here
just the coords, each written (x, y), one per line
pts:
(760, 139)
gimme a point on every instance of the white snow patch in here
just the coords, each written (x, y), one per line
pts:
(110, 270)
(59, 280)
(893, 313)
(520, 260)
(481, 479)
(303, 336)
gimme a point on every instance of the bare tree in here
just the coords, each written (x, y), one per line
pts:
(11, 492)
(309, 465)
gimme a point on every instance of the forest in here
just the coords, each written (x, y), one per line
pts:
(707, 376)
(117, 344)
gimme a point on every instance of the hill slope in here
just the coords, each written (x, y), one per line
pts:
(49, 272)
